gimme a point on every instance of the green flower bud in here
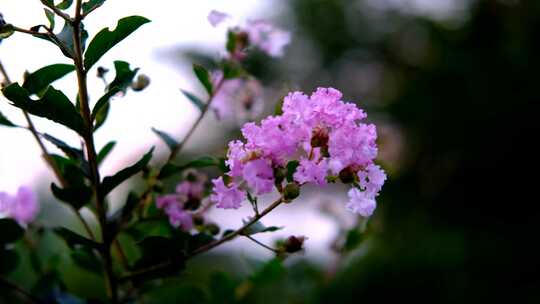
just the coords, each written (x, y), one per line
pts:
(291, 191)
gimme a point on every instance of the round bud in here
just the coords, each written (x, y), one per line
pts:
(294, 244)
(213, 229)
(140, 83)
(347, 175)
(101, 71)
(291, 191)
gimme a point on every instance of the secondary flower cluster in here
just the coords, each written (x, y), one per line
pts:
(180, 206)
(260, 34)
(23, 206)
(320, 132)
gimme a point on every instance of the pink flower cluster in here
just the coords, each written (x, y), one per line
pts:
(260, 34)
(180, 205)
(23, 207)
(320, 131)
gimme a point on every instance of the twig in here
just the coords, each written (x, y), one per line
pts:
(57, 11)
(262, 244)
(207, 247)
(20, 290)
(112, 286)
(46, 156)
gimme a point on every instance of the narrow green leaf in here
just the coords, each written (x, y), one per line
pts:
(40, 79)
(87, 260)
(91, 5)
(106, 39)
(205, 161)
(171, 142)
(258, 227)
(73, 153)
(111, 182)
(195, 100)
(64, 4)
(122, 80)
(50, 16)
(54, 106)
(10, 231)
(73, 239)
(5, 122)
(77, 195)
(104, 152)
(204, 77)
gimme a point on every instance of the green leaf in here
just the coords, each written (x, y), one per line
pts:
(87, 260)
(91, 5)
(65, 39)
(195, 100)
(291, 169)
(73, 239)
(40, 79)
(111, 182)
(122, 80)
(50, 16)
(205, 161)
(258, 227)
(204, 77)
(77, 195)
(105, 151)
(231, 42)
(9, 260)
(353, 239)
(129, 206)
(5, 122)
(106, 39)
(171, 142)
(73, 153)
(10, 231)
(64, 4)
(54, 106)
(156, 250)
(6, 30)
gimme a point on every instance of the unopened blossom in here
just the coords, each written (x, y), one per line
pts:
(324, 134)
(215, 17)
(361, 202)
(23, 207)
(226, 197)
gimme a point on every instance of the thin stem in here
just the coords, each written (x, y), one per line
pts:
(20, 290)
(112, 286)
(207, 247)
(205, 109)
(262, 244)
(46, 156)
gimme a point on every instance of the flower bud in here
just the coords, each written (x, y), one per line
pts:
(348, 175)
(279, 175)
(319, 137)
(198, 220)
(294, 244)
(291, 191)
(140, 83)
(101, 71)
(193, 203)
(212, 228)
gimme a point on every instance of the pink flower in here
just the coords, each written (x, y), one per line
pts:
(215, 17)
(226, 197)
(311, 171)
(23, 207)
(259, 176)
(238, 99)
(372, 179)
(165, 201)
(267, 37)
(361, 203)
(179, 218)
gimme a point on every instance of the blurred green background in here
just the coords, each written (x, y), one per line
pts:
(448, 93)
